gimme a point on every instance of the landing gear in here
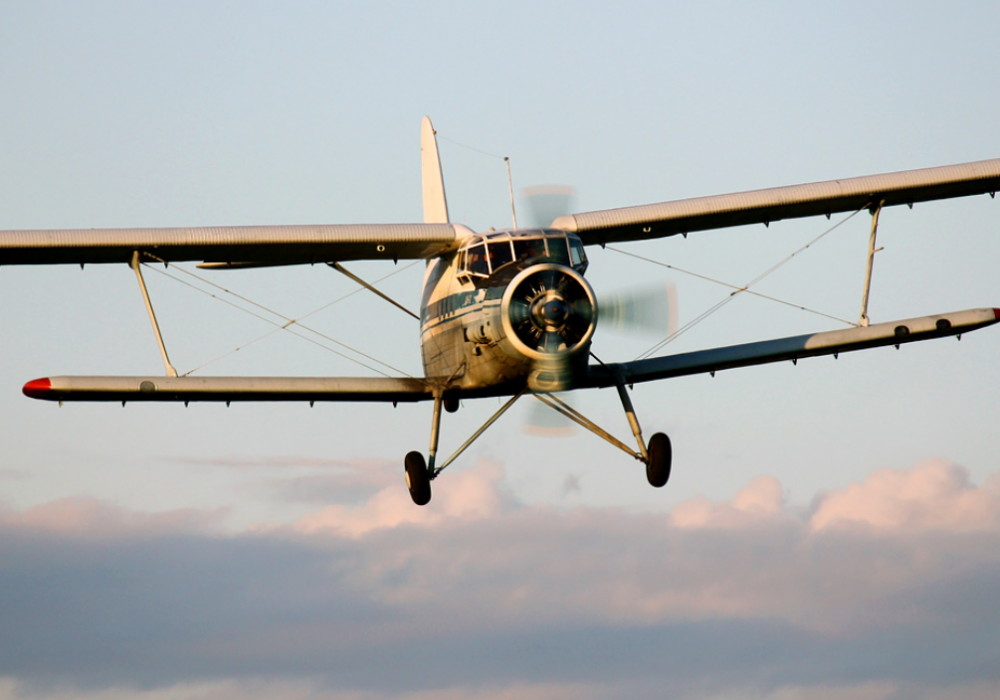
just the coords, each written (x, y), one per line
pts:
(418, 479)
(658, 461)
(656, 455)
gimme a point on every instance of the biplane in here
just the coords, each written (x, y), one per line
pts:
(502, 312)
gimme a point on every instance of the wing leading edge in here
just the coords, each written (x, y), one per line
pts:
(794, 348)
(794, 201)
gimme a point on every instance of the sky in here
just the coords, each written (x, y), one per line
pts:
(830, 529)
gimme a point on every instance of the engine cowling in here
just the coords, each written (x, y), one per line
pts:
(549, 314)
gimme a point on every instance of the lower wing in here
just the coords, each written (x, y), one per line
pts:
(228, 389)
(781, 349)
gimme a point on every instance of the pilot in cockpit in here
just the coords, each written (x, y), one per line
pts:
(476, 260)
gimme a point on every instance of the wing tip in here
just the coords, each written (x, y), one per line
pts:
(38, 388)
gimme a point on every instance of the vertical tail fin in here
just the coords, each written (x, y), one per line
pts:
(435, 202)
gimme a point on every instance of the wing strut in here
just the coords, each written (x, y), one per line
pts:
(135, 265)
(863, 321)
(344, 271)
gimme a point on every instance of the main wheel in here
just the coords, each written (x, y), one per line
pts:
(418, 480)
(660, 455)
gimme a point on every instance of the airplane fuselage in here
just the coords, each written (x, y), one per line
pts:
(507, 307)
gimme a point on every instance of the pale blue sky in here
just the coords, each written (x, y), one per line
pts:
(182, 113)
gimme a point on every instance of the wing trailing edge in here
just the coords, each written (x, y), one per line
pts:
(794, 348)
(794, 201)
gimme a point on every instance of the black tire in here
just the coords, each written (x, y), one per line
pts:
(451, 403)
(660, 456)
(417, 478)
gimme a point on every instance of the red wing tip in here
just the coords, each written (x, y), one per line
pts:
(996, 314)
(37, 388)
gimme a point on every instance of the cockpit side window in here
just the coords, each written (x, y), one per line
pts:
(557, 250)
(577, 256)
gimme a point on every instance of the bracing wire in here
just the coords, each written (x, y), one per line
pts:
(732, 286)
(741, 290)
(471, 148)
(287, 321)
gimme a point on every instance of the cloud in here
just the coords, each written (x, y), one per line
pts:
(759, 501)
(310, 480)
(936, 496)
(472, 494)
(479, 596)
(91, 517)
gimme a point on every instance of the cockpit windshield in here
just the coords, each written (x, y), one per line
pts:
(486, 256)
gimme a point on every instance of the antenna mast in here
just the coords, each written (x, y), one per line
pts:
(510, 185)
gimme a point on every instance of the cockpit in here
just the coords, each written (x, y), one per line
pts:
(497, 254)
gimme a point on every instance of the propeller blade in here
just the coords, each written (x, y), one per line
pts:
(546, 203)
(651, 309)
(543, 421)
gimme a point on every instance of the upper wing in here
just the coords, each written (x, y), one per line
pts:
(764, 206)
(781, 349)
(272, 245)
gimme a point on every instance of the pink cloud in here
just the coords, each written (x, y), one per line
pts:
(936, 495)
(471, 494)
(759, 501)
(475, 565)
(94, 518)
(755, 556)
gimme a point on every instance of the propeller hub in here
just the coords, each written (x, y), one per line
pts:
(552, 312)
